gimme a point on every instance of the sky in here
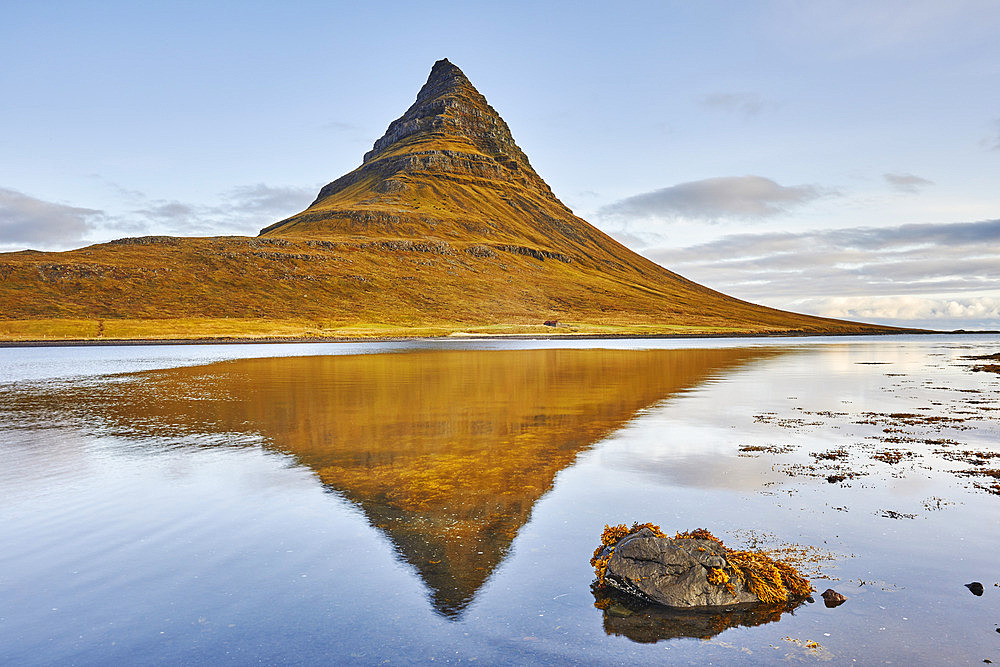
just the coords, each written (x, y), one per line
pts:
(833, 158)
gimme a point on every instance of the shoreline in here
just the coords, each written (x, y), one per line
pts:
(128, 342)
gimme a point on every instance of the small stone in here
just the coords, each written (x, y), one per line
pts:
(832, 598)
(976, 588)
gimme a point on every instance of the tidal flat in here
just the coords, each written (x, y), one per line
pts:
(409, 501)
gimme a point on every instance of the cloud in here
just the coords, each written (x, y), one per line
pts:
(906, 182)
(29, 222)
(170, 212)
(911, 308)
(746, 104)
(119, 190)
(267, 200)
(338, 126)
(743, 197)
(807, 270)
(25, 220)
(244, 209)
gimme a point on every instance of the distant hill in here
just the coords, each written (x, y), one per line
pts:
(445, 227)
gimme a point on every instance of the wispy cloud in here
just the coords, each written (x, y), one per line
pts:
(244, 209)
(338, 126)
(870, 267)
(27, 221)
(906, 182)
(745, 104)
(916, 259)
(910, 308)
(741, 197)
(267, 200)
(169, 212)
(994, 141)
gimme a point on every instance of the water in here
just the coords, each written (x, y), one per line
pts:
(440, 500)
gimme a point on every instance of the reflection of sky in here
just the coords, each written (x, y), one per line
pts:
(692, 439)
(40, 363)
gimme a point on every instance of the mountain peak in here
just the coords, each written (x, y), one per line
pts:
(445, 77)
(437, 170)
(450, 113)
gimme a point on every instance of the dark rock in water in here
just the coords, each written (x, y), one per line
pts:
(679, 572)
(832, 598)
(671, 572)
(975, 587)
(646, 623)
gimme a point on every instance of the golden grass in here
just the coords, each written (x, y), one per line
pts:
(610, 537)
(770, 579)
(72, 329)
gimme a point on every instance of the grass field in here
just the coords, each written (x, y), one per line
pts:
(270, 329)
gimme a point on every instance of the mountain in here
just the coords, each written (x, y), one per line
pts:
(445, 227)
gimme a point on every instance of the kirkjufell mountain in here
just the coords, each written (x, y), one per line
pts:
(444, 228)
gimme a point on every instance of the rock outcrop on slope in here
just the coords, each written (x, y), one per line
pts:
(445, 226)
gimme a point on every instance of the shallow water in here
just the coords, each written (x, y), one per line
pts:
(440, 500)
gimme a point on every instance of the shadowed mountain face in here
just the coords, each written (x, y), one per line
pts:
(445, 451)
(445, 225)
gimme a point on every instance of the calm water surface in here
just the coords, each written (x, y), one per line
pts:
(418, 501)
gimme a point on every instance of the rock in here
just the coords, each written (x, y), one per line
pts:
(832, 598)
(975, 587)
(682, 572)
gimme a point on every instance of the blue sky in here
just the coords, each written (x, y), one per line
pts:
(838, 158)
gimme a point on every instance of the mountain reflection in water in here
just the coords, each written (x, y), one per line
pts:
(445, 451)
(648, 624)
